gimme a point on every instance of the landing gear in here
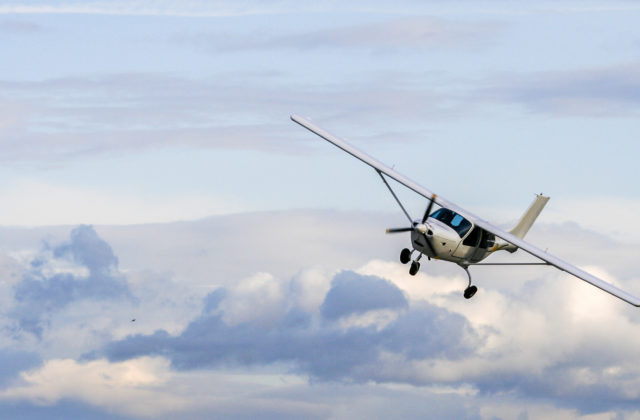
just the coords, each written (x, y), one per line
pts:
(405, 256)
(415, 266)
(470, 290)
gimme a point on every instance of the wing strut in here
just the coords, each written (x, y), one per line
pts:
(515, 263)
(394, 196)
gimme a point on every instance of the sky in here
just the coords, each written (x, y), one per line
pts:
(150, 171)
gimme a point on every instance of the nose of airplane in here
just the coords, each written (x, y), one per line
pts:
(422, 228)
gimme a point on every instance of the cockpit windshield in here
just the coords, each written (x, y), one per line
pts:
(453, 220)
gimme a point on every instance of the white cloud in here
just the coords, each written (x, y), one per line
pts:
(130, 388)
(143, 8)
(259, 299)
(554, 320)
(534, 333)
(309, 287)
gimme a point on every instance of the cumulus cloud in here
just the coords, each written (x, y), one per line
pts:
(351, 293)
(323, 350)
(84, 267)
(126, 387)
(531, 336)
(547, 338)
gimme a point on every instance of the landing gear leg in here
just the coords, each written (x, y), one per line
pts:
(470, 290)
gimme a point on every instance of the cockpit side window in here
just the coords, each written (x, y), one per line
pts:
(460, 225)
(473, 238)
(488, 240)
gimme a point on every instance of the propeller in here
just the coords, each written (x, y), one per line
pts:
(396, 230)
(420, 227)
(428, 211)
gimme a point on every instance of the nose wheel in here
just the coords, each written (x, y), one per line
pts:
(415, 266)
(405, 257)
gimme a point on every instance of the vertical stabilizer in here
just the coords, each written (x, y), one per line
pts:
(529, 216)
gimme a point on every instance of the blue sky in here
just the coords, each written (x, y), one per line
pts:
(136, 100)
(165, 127)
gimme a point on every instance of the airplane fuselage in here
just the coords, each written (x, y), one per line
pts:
(462, 244)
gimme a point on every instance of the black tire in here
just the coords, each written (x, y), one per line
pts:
(415, 266)
(470, 291)
(405, 256)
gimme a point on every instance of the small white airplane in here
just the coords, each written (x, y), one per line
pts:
(453, 234)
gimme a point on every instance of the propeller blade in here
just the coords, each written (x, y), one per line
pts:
(426, 213)
(396, 230)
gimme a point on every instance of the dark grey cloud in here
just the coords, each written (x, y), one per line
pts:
(351, 293)
(324, 352)
(44, 289)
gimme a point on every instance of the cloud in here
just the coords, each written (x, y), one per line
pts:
(117, 113)
(599, 92)
(542, 339)
(351, 293)
(127, 387)
(85, 267)
(143, 8)
(222, 8)
(19, 27)
(264, 342)
(12, 362)
(407, 33)
(326, 351)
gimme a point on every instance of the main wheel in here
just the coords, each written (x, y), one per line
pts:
(470, 291)
(405, 256)
(415, 266)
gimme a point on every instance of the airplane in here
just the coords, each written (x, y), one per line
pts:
(456, 235)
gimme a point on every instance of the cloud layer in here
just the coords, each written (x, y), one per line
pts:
(284, 343)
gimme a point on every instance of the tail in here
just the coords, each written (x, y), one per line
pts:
(524, 224)
(529, 216)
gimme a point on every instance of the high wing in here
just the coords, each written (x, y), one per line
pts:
(524, 245)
